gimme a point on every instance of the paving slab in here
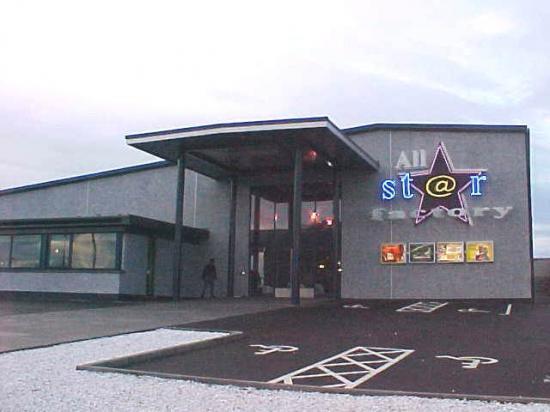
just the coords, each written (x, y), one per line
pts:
(29, 324)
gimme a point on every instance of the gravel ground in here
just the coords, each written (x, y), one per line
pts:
(46, 380)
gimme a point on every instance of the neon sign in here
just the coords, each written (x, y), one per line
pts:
(440, 187)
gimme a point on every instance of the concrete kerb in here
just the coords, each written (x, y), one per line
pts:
(120, 362)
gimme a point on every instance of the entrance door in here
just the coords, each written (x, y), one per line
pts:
(271, 239)
(150, 272)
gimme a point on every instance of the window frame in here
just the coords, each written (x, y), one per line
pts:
(40, 253)
(45, 252)
(48, 251)
(10, 251)
(118, 251)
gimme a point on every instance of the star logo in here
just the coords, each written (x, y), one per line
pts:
(441, 187)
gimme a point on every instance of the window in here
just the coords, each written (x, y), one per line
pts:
(106, 251)
(61, 251)
(26, 251)
(94, 251)
(317, 213)
(267, 214)
(58, 251)
(5, 246)
(281, 215)
(309, 214)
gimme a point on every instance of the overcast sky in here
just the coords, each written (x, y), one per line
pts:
(77, 76)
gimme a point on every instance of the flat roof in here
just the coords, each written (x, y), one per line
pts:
(127, 223)
(248, 148)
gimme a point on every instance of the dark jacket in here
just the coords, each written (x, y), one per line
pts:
(209, 272)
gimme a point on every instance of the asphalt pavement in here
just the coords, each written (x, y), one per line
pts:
(495, 349)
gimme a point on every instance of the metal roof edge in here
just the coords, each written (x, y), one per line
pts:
(436, 126)
(230, 124)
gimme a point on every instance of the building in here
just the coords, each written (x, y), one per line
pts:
(295, 208)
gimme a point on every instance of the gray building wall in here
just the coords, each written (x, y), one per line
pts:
(194, 258)
(504, 157)
(163, 268)
(60, 282)
(150, 193)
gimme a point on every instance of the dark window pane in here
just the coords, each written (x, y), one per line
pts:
(309, 215)
(94, 251)
(105, 250)
(5, 242)
(325, 211)
(26, 251)
(281, 216)
(317, 213)
(267, 214)
(58, 256)
(83, 251)
(252, 209)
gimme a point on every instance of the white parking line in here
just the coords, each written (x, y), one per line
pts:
(473, 310)
(357, 306)
(508, 310)
(352, 367)
(423, 307)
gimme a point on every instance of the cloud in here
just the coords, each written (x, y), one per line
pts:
(492, 23)
(76, 77)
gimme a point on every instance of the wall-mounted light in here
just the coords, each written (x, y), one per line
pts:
(310, 156)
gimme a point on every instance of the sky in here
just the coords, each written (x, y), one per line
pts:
(77, 76)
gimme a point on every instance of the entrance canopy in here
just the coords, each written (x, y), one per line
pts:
(257, 148)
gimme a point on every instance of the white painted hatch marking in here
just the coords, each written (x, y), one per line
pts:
(422, 307)
(347, 369)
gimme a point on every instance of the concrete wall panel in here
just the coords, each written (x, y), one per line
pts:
(504, 157)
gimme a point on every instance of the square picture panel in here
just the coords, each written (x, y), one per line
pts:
(450, 252)
(422, 252)
(480, 251)
(392, 253)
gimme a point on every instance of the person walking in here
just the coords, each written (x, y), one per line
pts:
(209, 276)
